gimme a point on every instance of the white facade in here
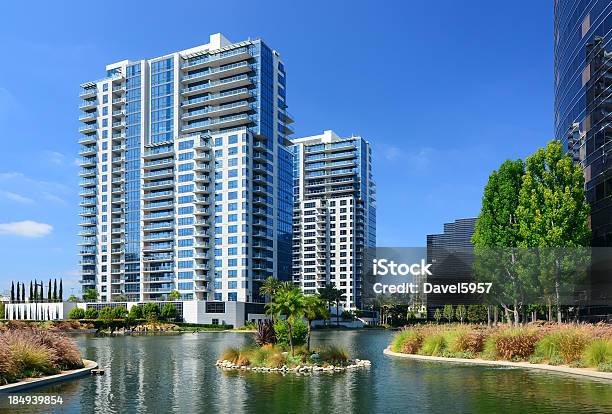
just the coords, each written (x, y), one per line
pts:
(183, 161)
(334, 213)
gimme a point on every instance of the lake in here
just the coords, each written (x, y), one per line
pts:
(177, 373)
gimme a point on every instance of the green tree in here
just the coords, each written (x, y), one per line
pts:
(314, 308)
(107, 315)
(269, 287)
(437, 315)
(136, 312)
(73, 298)
(61, 291)
(448, 312)
(90, 295)
(12, 292)
(49, 292)
(327, 294)
(120, 312)
(497, 236)
(31, 297)
(151, 311)
(2, 312)
(76, 313)
(460, 313)
(169, 311)
(473, 314)
(91, 313)
(553, 213)
(54, 290)
(290, 304)
(299, 332)
(174, 295)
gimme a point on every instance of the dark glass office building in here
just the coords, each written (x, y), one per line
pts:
(583, 100)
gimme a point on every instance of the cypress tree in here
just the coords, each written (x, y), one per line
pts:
(17, 291)
(31, 292)
(23, 292)
(61, 291)
(54, 290)
(49, 292)
(12, 291)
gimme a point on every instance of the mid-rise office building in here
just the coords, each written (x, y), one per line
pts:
(451, 255)
(334, 217)
(186, 175)
(583, 100)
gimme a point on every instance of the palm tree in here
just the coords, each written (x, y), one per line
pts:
(338, 296)
(269, 287)
(289, 303)
(327, 295)
(314, 308)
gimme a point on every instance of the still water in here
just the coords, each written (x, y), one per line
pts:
(166, 374)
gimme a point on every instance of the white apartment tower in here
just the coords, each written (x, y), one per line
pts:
(334, 213)
(186, 175)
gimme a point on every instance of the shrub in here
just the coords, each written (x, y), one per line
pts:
(151, 311)
(169, 311)
(264, 333)
(230, 354)
(433, 345)
(66, 353)
(567, 344)
(605, 367)
(91, 313)
(299, 332)
(243, 360)
(515, 342)
(136, 312)
(333, 354)
(534, 359)
(76, 313)
(468, 341)
(598, 352)
(120, 312)
(107, 313)
(276, 360)
(407, 341)
(29, 355)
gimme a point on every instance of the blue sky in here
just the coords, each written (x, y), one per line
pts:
(444, 95)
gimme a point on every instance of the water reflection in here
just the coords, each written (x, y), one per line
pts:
(163, 374)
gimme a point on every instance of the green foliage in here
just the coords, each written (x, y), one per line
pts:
(151, 311)
(76, 313)
(407, 341)
(437, 315)
(433, 345)
(605, 367)
(91, 313)
(269, 287)
(1, 310)
(174, 295)
(299, 332)
(136, 312)
(106, 314)
(333, 354)
(169, 311)
(566, 345)
(290, 303)
(448, 313)
(460, 313)
(120, 312)
(598, 352)
(90, 295)
(73, 298)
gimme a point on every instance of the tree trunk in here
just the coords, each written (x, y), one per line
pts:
(549, 310)
(337, 314)
(290, 338)
(557, 292)
(515, 314)
(496, 315)
(488, 316)
(308, 341)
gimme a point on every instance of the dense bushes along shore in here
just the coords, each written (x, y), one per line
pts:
(31, 352)
(578, 346)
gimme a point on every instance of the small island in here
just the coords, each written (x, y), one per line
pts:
(282, 343)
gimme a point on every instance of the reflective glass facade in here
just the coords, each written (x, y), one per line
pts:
(583, 104)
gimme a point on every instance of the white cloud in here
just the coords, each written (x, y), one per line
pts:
(55, 157)
(52, 197)
(26, 228)
(18, 198)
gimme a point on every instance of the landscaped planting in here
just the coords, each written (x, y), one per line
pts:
(573, 345)
(31, 352)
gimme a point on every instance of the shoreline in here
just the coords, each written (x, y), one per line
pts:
(50, 379)
(583, 372)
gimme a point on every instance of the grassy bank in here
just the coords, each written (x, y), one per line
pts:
(31, 352)
(578, 346)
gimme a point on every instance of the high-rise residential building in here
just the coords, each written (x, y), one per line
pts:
(186, 175)
(334, 213)
(451, 255)
(583, 100)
